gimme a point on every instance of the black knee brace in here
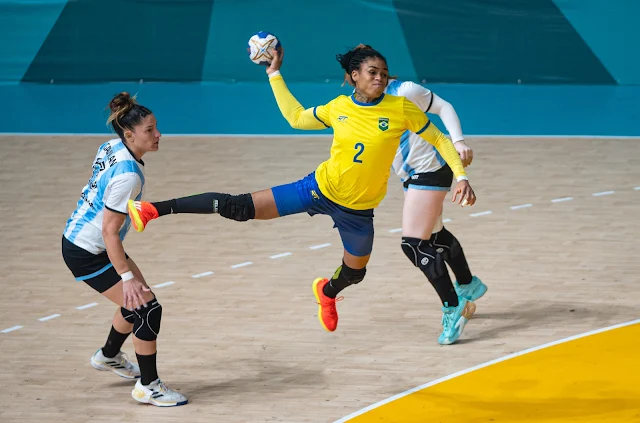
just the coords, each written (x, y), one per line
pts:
(424, 255)
(448, 243)
(352, 276)
(128, 315)
(236, 207)
(147, 321)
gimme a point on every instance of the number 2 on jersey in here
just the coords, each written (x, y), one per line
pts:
(360, 147)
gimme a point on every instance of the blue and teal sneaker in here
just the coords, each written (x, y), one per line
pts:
(454, 319)
(471, 291)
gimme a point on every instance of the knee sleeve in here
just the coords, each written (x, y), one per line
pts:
(147, 321)
(352, 276)
(425, 256)
(236, 207)
(129, 316)
(447, 242)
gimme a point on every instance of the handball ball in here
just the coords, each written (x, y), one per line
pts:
(261, 46)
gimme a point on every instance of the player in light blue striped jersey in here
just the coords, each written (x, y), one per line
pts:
(93, 251)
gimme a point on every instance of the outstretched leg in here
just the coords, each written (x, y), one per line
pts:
(281, 200)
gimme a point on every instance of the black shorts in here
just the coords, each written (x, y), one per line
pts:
(440, 180)
(94, 269)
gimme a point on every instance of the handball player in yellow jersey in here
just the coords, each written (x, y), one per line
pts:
(349, 185)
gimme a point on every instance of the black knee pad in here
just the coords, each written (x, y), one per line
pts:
(147, 321)
(236, 207)
(425, 256)
(353, 276)
(129, 316)
(445, 241)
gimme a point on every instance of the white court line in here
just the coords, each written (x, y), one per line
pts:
(201, 275)
(44, 319)
(316, 247)
(561, 200)
(393, 231)
(277, 256)
(83, 307)
(484, 213)
(246, 263)
(600, 194)
(521, 206)
(480, 366)
(163, 284)
(11, 329)
(446, 220)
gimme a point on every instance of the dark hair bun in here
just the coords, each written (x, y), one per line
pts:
(345, 59)
(121, 103)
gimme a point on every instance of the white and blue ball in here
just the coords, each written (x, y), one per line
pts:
(261, 47)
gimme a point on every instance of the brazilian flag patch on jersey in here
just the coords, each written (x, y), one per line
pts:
(383, 123)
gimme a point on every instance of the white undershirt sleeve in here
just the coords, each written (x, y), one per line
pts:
(449, 117)
(429, 102)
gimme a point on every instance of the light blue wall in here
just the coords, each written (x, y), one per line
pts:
(24, 25)
(555, 67)
(612, 31)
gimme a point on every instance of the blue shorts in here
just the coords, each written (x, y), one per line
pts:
(355, 226)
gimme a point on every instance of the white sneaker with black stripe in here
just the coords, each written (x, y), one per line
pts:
(157, 393)
(120, 364)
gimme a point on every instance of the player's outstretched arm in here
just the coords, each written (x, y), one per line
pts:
(290, 108)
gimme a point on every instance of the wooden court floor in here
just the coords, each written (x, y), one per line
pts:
(244, 343)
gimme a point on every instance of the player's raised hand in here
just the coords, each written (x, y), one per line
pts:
(278, 55)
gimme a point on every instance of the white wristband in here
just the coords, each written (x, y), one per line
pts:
(273, 74)
(462, 178)
(126, 276)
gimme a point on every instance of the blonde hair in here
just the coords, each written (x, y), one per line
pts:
(125, 113)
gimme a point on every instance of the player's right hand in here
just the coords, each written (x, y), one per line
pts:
(133, 297)
(465, 152)
(276, 63)
(467, 196)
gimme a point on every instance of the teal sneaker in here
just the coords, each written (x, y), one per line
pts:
(454, 319)
(471, 291)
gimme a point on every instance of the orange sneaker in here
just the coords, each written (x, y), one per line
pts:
(141, 212)
(327, 313)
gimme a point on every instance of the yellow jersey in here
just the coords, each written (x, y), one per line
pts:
(366, 137)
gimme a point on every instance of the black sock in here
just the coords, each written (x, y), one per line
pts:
(453, 255)
(195, 204)
(343, 277)
(114, 343)
(165, 207)
(148, 369)
(445, 290)
(236, 207)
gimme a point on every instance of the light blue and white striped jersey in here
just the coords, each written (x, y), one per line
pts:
(117, 177)
(414, 154)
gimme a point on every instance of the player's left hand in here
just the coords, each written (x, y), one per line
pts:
(466, 153)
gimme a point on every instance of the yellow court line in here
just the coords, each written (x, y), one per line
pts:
(585, 378)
